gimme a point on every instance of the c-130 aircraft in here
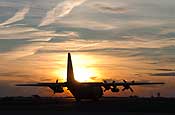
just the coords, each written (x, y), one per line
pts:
(87, 90)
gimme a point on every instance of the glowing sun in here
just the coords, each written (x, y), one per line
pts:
(83, 74)
(82, 67)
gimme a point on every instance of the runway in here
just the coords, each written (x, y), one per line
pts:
(104, 105)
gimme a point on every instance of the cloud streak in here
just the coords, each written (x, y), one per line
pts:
(25, 32)
(136, 48)
(62, 9)
(14, 74)
(87, 24)
(20, 15)
(165, 69)
(163, 74)
(21, 51)
(111, 9)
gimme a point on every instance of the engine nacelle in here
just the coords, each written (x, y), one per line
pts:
(107, 87)
(57, 89)
(115, 89)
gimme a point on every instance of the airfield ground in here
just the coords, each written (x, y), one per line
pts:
(109, 105)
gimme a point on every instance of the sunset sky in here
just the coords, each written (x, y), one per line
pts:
(108, 39)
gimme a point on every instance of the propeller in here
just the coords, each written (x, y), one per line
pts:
(127, 86)
(114, 84)
(57, 88)
(114, 87)
(106, 86)
(56, 80)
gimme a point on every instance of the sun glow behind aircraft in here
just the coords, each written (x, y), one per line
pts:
(84, 69)
(87, 90)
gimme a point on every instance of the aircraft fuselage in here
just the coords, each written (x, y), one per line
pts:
(84, 91)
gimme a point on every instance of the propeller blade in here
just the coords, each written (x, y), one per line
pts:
(124, 89)
(131, 89)
(124, 81)
(105, 81)
(106, 86)
(114, 84)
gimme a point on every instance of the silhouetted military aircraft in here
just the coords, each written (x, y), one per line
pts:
(87, 90)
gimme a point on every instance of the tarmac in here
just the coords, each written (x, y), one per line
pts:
(106, 105)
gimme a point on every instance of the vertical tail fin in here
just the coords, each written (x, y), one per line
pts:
(70, 72)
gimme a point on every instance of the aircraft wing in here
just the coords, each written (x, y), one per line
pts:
(121, 83)
(63, 84)
(58, 87)
(126, 85)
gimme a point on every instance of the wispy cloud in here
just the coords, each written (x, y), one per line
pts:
(31, 39)
(62, 9)
(22, 51)
(136, 48)
(108, 8)
(164, 74)
(144, 23)
(22, 32)
(17, 17)
(164, 69)
(166, 31)
(7, 4)
(14, 74)
(87, 24)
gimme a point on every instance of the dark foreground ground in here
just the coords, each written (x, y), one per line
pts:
(106, 105)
